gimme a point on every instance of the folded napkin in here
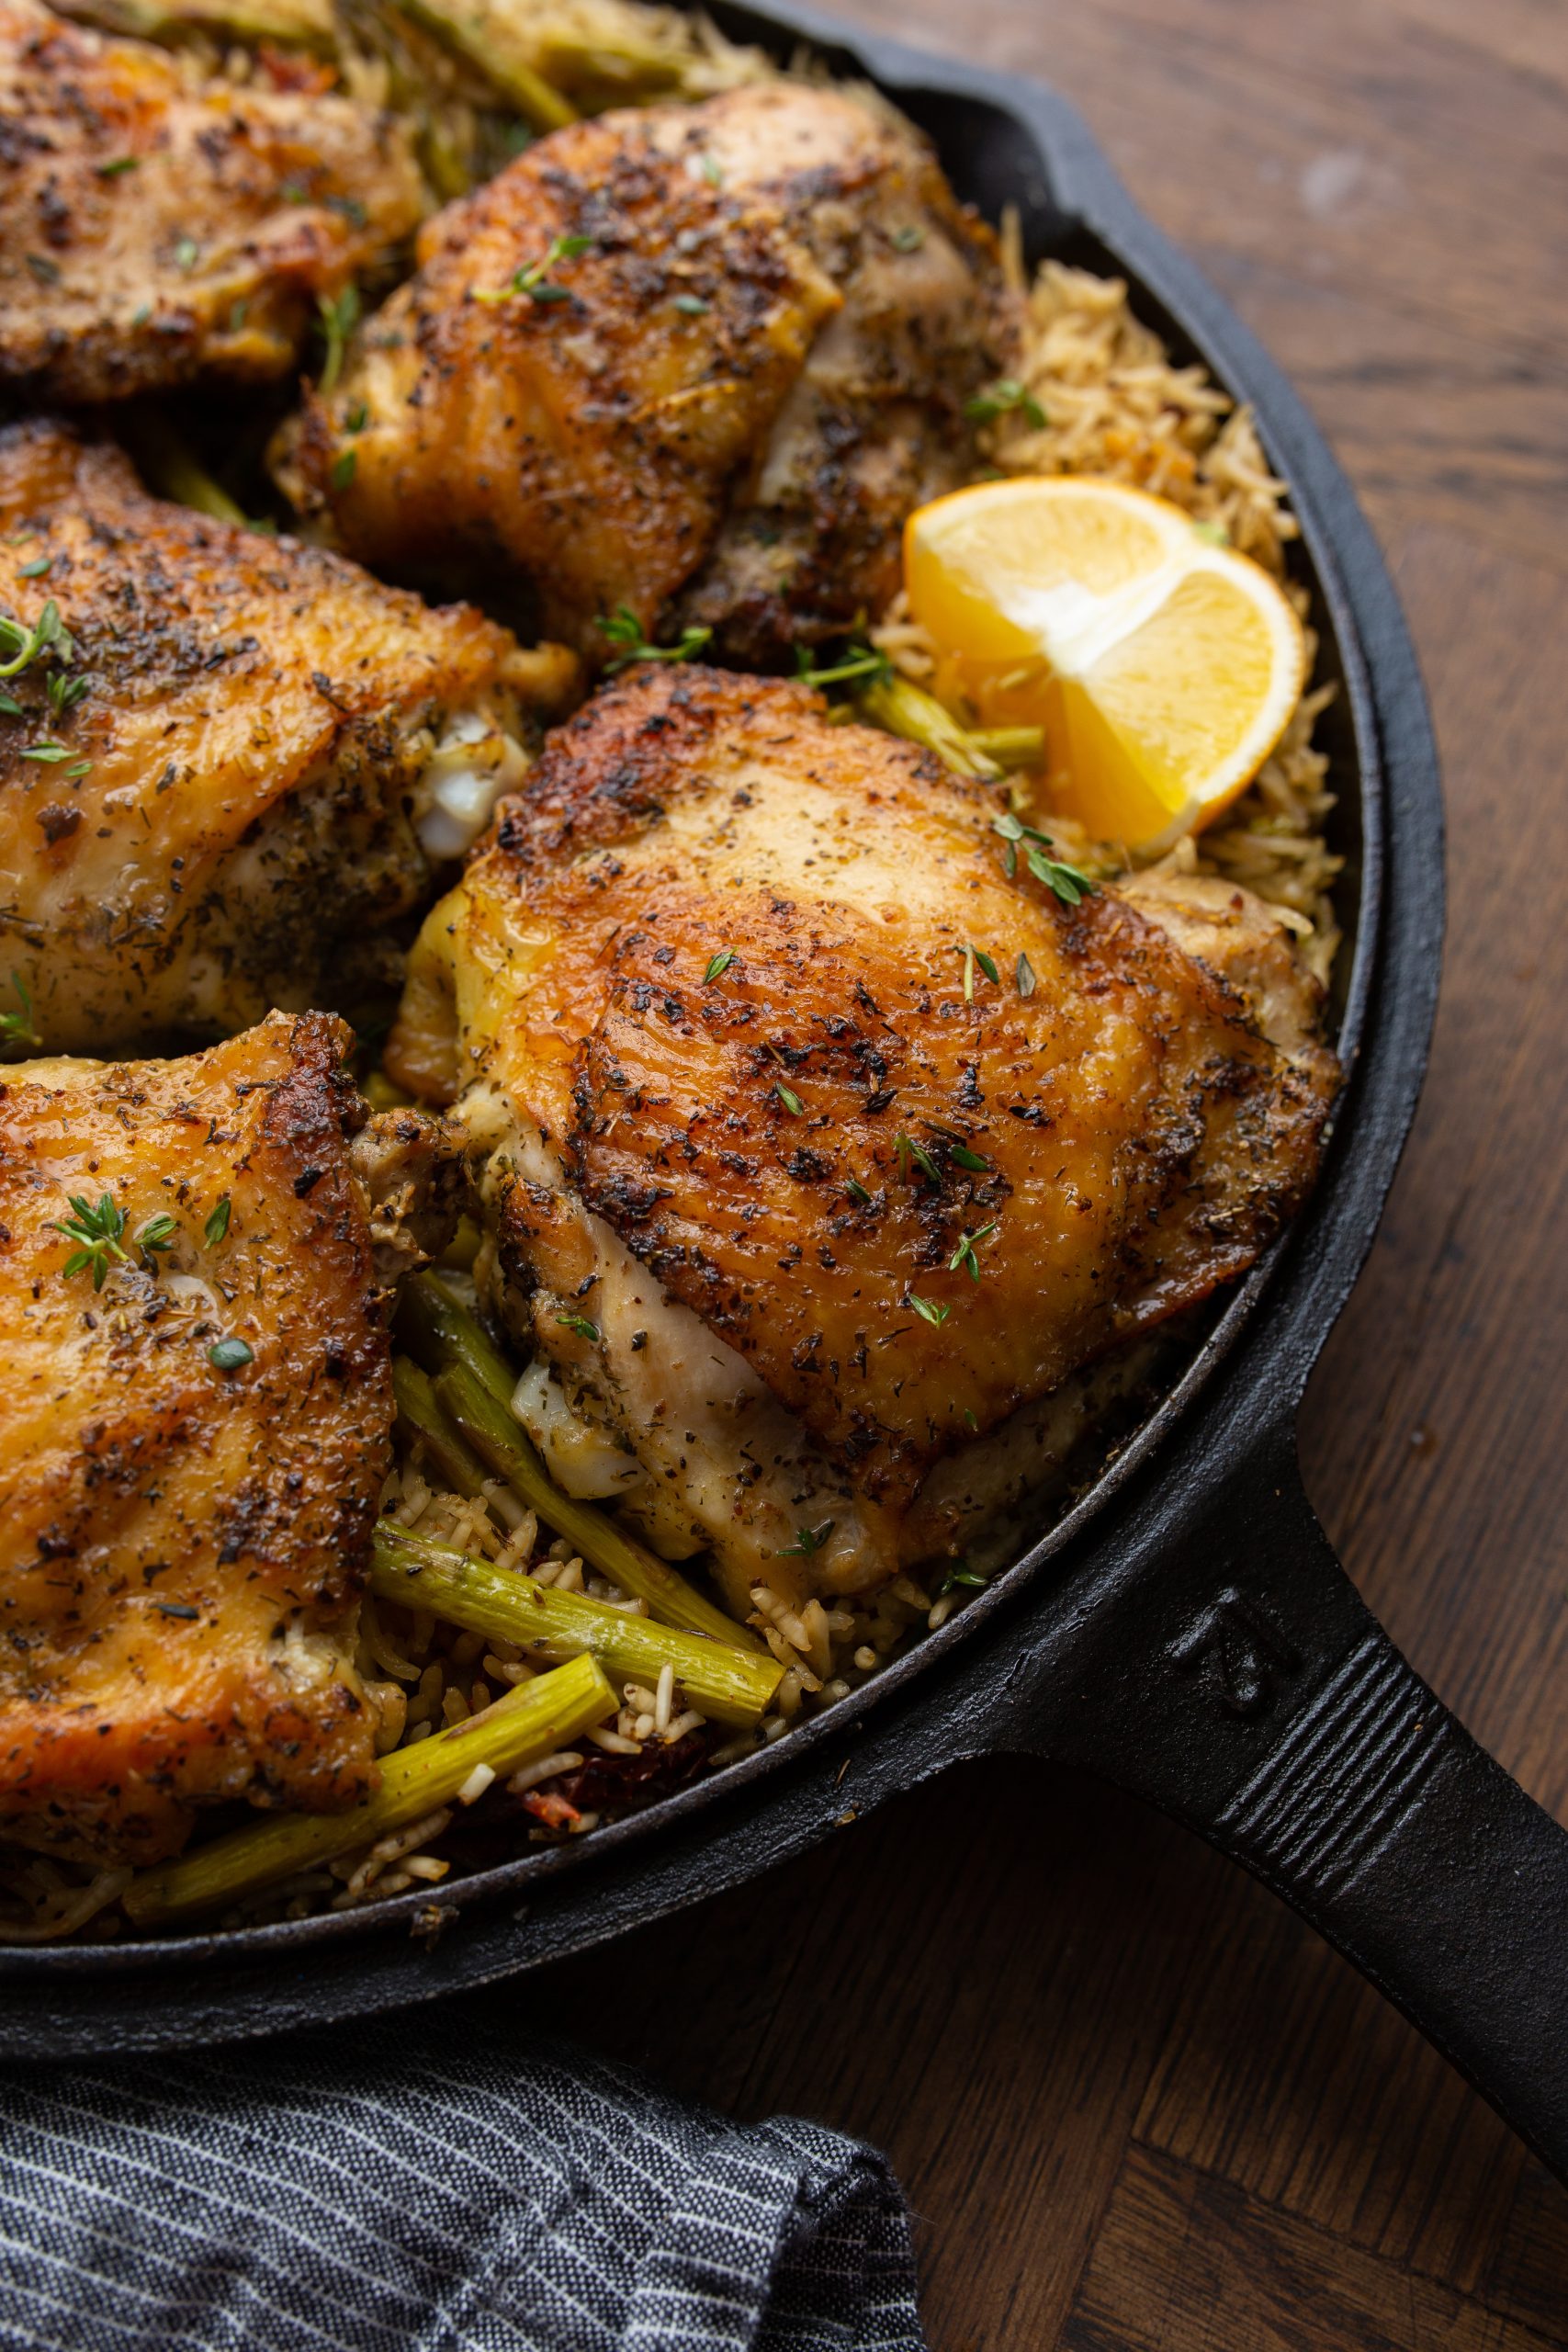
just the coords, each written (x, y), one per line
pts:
(433, 2185)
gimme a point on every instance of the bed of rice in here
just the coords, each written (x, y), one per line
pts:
(1115, 404)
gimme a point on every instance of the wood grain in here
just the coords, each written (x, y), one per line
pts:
(1136, 2106)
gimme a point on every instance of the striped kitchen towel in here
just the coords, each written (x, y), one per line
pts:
(424, 2187)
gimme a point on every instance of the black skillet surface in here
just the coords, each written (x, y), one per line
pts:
(1185, 1631)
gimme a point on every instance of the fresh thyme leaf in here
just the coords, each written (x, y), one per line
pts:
(157, 1233)
(693, 305)
(909, 239)
(64, 693)
(121, 164)
(962, 1156)
(17, 1028)
(217, 1226)
(10, 707)
(1069, 885)
(624, 630)
(1007, 397)
(345, 466)
(988, 965)
(961, 1574)
(928, 1309)
(581, 1325)
(36, 569)
(339, 316)
(859, 662)
(238, 313)
(46, 272)
(789, 1098)
(969, 1419)
(188, 252)
(1024, 975)
(533, 279)
(858, 1193)
(49, 754)
(356, 417)
(808, 1540)
(47, 635)
(228, 1355)
(906, 1151)
(80, 768)
(964, 1254)
(718, 965)
(98, 1230)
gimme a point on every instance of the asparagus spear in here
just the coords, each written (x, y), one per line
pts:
(532, 1721)
(485, 38)
(1010, 747)
(908, 711)
(485, 1424)
(169, 466)
(438, 1331)
(444, 1450)
(733, 1686)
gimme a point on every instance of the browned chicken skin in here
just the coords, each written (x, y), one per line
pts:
(773, 1171)
(270, 756)
(182, 1545)
(156, 227)
(720, 409)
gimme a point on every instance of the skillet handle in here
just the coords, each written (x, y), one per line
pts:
(1241, 1684)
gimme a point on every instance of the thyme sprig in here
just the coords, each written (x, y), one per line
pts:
(339, 316)
(1005, 397)
(19, 1028)
(1068, 883)
(856, 662)
(533, 279)
(97, 1232)
(808, 1540)
(624, 630)
(964, 1254)
(48, 635)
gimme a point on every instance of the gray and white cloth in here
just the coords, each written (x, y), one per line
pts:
(428, 2188)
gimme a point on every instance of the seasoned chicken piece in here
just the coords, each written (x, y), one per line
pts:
(790, 1189)
(156, 227)
(191, 1452)
(243, 758)
(719, 350)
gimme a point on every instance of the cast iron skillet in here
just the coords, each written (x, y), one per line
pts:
(1185, 1631)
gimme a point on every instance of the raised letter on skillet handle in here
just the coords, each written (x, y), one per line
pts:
(1240, 1683)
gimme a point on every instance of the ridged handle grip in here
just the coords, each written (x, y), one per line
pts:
(1246, 1689)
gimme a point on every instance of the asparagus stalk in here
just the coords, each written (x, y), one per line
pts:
(1010, 747)
(437, 1332)
(484, 1423)
(532, 1721)
(171, 470)
(907, 710)
(443, 1449)
(482, 34)
(733, 1686)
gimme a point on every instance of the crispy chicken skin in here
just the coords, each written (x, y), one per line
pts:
(156, 227)
(181, 1546)
(737, 390)
(271, 755)
(750, 1192)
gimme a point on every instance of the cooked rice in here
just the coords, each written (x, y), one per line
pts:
(1115, 404)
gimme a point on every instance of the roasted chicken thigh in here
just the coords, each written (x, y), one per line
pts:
(156, 226)
(814, 1145)
(195, 1417)
(697, 361)
(231, 759)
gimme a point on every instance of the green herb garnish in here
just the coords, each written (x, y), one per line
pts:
(581, 1325)
(339, 316)
(344, 467)
(962, 1156)
(188, 252)
(157, 1233)
(964, 1254)
(533, 280)
(962, 1574)
(718, 965)
(1024, 975)
(17, 1028)
(36, 569)
(1069, 885)
(121, 164)
(928, 1309)
(808, 1540)
(97, 1232)
(858, 1193)
(907, 240)
(1007, 397)
(692, 304)
(859, 662)
(228, 1355)
(789, 1098)
(47, 635)
(907, 1151)
(64, 693)
(624, 630)
(217, 1226)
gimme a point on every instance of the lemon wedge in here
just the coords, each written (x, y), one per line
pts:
(1162, 666)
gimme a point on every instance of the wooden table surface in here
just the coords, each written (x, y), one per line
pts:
(1136, 2107)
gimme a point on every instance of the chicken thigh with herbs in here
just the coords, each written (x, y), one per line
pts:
(227, 761)
(695, 361)
(195, 1417)
(157, 227)
(815, 1144)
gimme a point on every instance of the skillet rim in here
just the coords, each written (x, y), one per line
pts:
(1337, 1224)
